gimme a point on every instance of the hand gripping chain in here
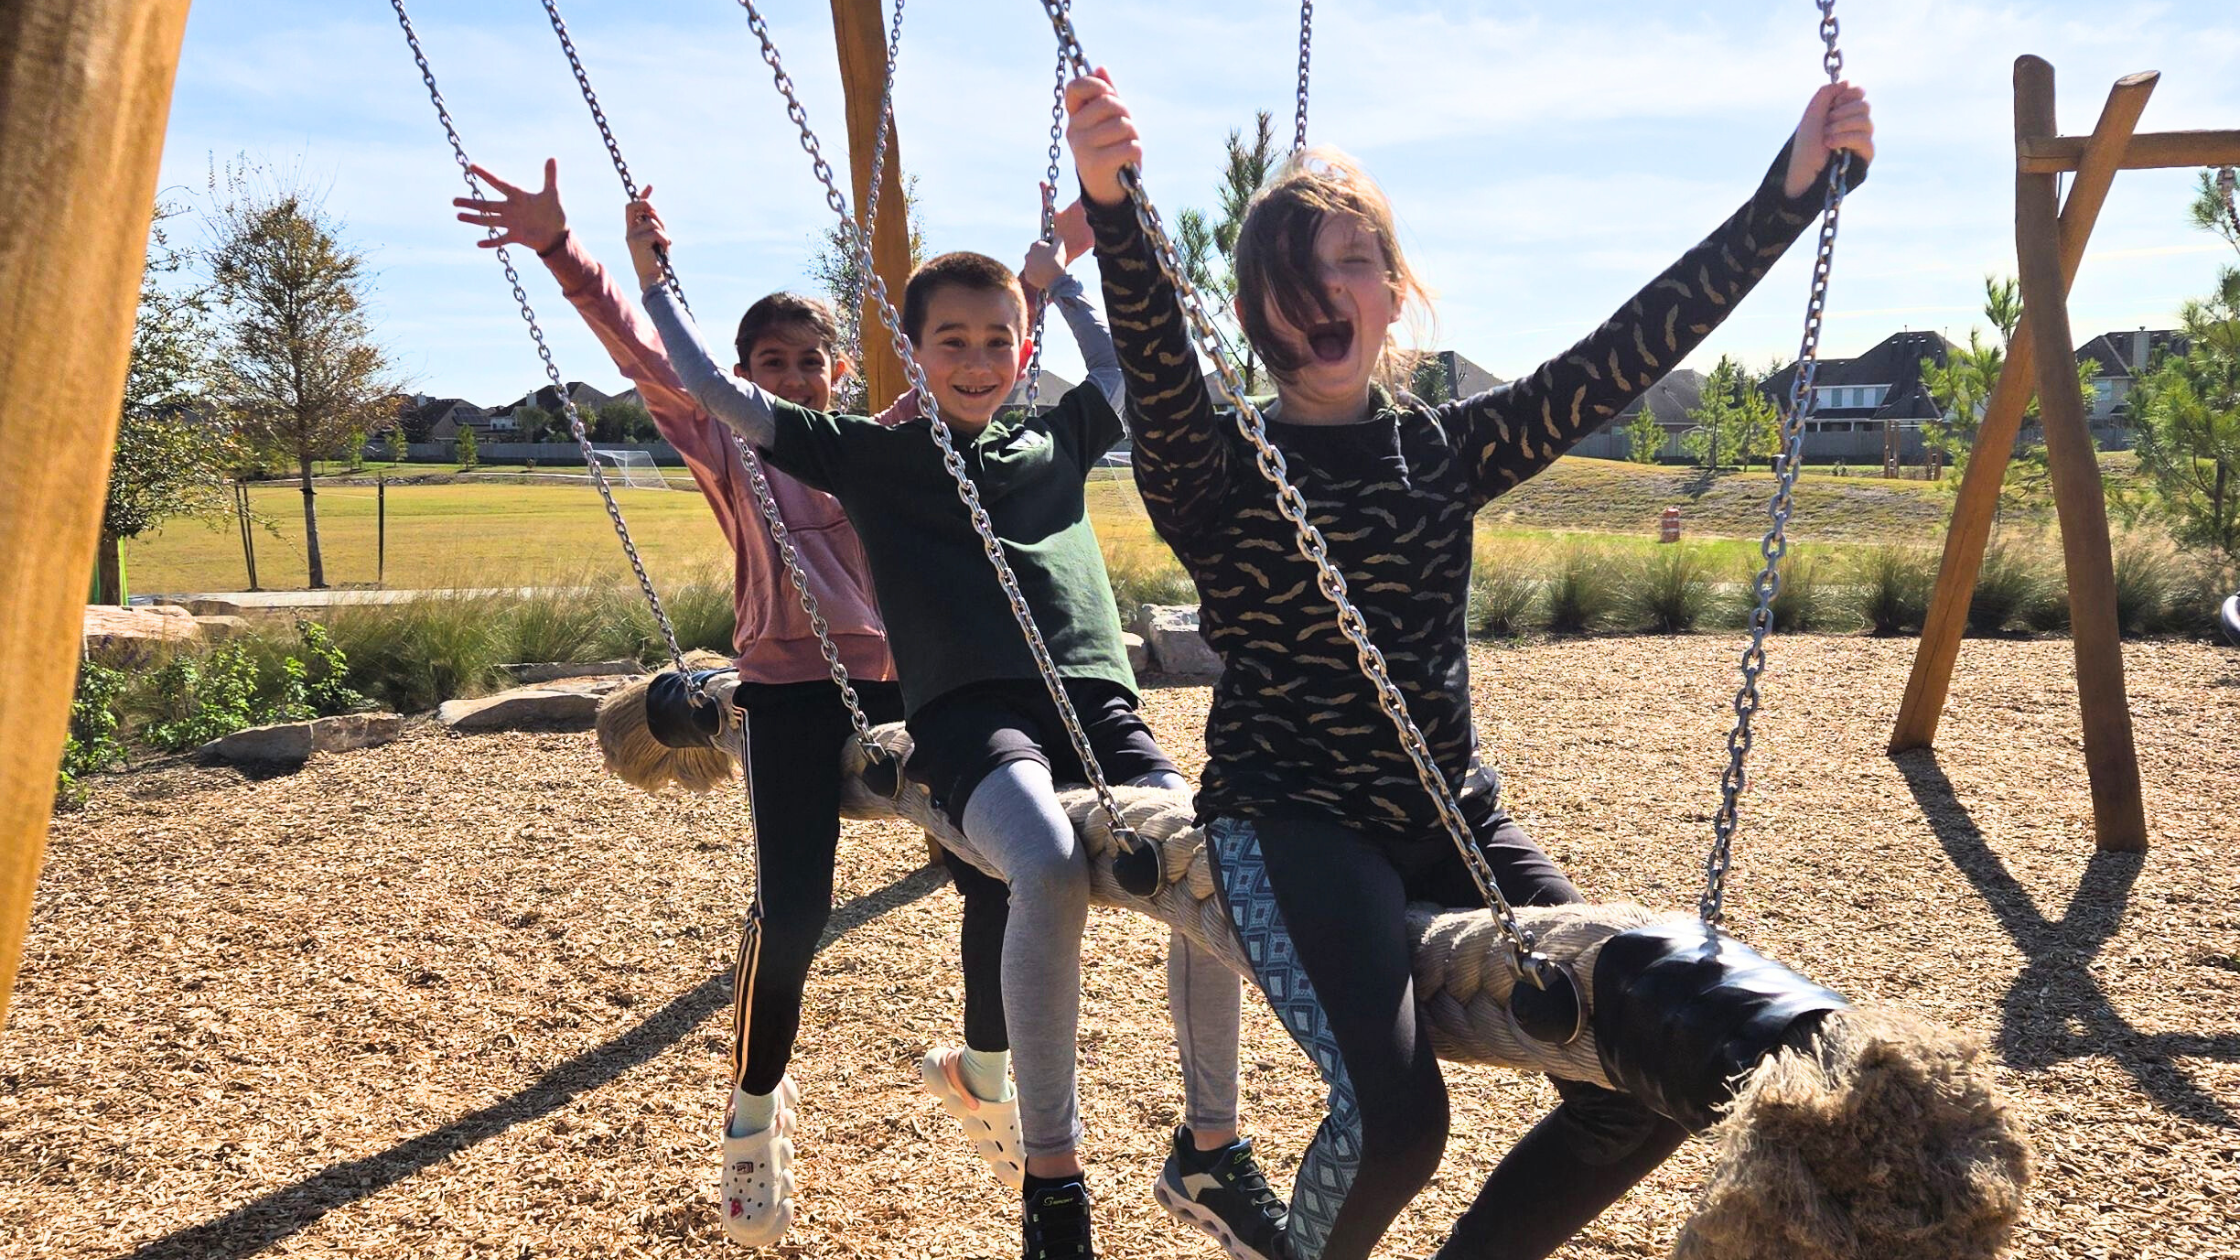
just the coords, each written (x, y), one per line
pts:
(756, 480)
(1541, 974)
(1139, 865)
(544, 352)
(1803, 403)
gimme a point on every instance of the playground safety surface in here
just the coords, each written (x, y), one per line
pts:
(464, 996)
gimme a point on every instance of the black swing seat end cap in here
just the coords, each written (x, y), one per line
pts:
(1137, 869)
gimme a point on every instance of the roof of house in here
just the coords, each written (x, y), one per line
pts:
(1669, 400)
(2129, 353)
(1894, 361)
(1049, 389)
(1467, 378)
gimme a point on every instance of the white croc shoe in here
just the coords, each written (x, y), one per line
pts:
(756, 1198)
(991, 1127)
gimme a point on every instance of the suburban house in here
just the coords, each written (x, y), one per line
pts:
(1049, 388)
(2120, 358)
(546, 398)
(1857, 398)
(428, 419)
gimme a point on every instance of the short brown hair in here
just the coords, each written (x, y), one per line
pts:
(962, 269)
(1275, 255)
(780, 310)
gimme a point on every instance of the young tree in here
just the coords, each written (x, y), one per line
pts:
(298, 372)
(834, 266)
(1429, 380)
(535, 424)
(1962, 386)
(622, 422)
(171, 457)
(1719, 417)
(1644, 436)
(1208, 246)
(399, 448)
(466, 449)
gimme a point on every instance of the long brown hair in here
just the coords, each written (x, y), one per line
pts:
(1275, 260)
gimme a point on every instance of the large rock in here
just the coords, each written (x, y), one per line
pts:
(204, 607)
(530, 673)
(1139, 652)
(222, 626)
(1177, 649)
(296, 741)
(125, 636)
(565, 704)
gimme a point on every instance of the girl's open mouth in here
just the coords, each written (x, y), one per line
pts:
(1331, 342)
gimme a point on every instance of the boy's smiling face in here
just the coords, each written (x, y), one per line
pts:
(973, 349)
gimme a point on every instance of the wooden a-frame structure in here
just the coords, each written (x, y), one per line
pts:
(2049, 244)
(85, 93)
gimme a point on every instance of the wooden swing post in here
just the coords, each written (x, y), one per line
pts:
(85, 92)
(859, 31)
(2049, 247)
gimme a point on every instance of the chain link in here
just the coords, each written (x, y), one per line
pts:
(1524, 956)
(1803, 403)
(951, 458)
(1049, 214)
(1306, 50)
(551, 370)
(764, 499)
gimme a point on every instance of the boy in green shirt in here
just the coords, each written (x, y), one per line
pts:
(989, 741)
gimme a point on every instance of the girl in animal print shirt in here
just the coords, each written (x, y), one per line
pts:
(1318, 825)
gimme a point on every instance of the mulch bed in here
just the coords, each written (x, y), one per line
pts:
(463, 996)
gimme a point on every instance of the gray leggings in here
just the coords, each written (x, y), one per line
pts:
(1013, 817)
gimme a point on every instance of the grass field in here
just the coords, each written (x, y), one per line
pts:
(496, 532)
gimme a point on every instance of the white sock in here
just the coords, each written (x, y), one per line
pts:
(987, 1073)
(751, 1113)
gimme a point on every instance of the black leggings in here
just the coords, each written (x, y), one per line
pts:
(1322, 912)
(794, 735)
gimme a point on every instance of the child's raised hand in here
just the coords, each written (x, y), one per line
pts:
(1043, 266)
(1103, 135)
(520, 217)
(648, 237)
(1837, 119)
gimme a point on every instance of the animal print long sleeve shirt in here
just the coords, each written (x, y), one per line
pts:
(1295, 728)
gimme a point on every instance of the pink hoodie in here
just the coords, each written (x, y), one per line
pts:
(774, 641)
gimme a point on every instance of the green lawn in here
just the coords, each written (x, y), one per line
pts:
(489, 531)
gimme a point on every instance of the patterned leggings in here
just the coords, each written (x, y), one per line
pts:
(1321, 910)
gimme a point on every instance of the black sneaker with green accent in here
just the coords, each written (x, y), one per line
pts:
(1054, 1220)
(1224, 1193)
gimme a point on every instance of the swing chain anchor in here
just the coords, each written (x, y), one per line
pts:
(1306, 50)
(1049, 216)
(1133, 868)
(1803, 404)
(765, 500)
(1539, 972)
(551, 370)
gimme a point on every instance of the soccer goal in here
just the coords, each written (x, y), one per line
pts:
(636, 469)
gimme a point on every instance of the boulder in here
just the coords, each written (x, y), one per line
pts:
(533, 672)
(221, 625)
(1139, 652)
(124, 636)
(564, 704)
(296, 741)
(1177, 649)
(202, 607)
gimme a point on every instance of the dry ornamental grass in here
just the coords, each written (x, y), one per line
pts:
(462, 996)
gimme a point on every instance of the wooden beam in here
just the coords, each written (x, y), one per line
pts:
(2111, 761)
(1978, 500)
(2054, 155)
(85, 91)
(857, 27)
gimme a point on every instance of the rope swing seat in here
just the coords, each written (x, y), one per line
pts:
(1843, 1132)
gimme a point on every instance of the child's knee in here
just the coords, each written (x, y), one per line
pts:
(1404, 1126)
(1603, 1125)
(1050, 877)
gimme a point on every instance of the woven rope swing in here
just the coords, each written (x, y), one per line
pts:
(1843, 1132)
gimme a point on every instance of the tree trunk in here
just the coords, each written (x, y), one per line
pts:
(109, 568)
(311, 528)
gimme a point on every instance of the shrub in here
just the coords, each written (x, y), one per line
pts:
(1146, 575)
(1668, 591)
(1891, 588)
(1581, 592)
(2009, 584)
(2146, 578)
(417, 654)
(2201, 584)
(1804, 601)
(561, 624)
(199, 699)
(702, 610)
(1503, 590)
(91, 745)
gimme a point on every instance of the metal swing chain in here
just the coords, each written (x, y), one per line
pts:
(1803, 403)
(951, 458)
(764, 498)
(1306, 50)
(1049, 215)
(551, 370)
(1529, 964)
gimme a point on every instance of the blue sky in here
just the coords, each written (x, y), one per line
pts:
(1546, 159)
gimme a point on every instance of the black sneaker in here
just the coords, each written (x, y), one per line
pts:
(1054, 1220)
(1224, 1193)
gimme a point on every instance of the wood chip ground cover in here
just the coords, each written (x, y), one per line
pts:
(463, 996)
